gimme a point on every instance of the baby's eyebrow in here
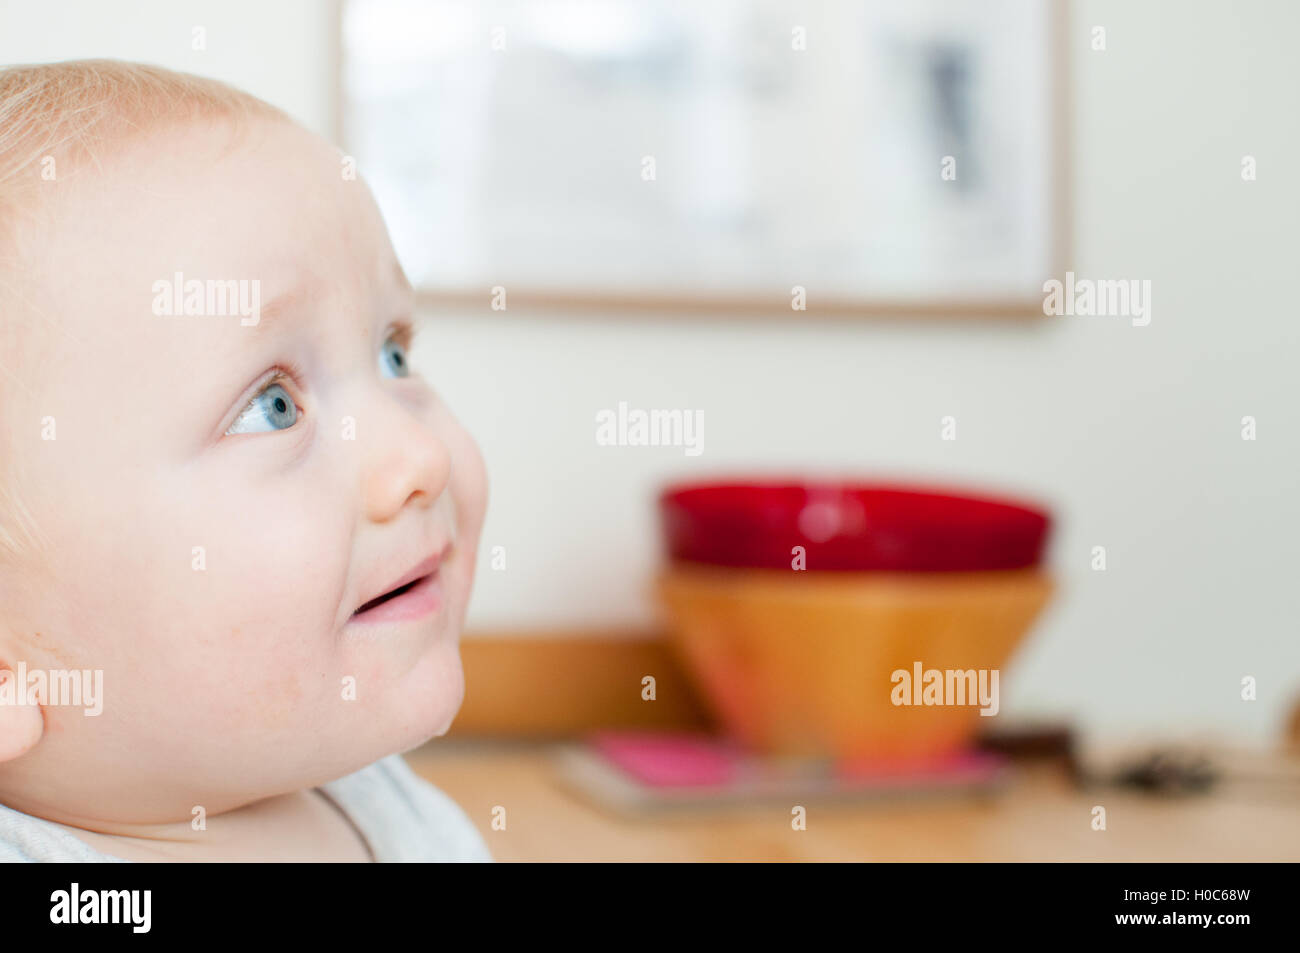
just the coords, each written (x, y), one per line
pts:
(298, 295)
(312, 289)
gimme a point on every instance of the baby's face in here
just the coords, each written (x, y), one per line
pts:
(221, 497)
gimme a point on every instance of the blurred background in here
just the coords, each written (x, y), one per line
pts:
(803, 146)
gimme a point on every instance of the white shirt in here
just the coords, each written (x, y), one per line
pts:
(403, 817)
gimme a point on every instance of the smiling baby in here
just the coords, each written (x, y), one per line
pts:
(229, 507)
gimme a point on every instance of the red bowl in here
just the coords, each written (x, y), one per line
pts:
(849, 527)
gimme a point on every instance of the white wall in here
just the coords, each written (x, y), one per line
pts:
(1132, 433)
(278, 49)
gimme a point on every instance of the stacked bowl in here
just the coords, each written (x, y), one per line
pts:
(793, 605)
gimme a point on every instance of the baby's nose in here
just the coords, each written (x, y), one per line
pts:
(406, 463)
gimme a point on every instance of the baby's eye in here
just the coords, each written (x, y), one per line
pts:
(271, 409)
(393, 361)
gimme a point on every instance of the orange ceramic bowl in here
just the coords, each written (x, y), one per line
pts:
(803, 664)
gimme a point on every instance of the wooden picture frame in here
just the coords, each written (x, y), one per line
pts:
(571, 283)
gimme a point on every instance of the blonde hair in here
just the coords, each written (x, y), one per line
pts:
(64, 117)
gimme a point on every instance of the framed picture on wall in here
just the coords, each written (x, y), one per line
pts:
(871, 158)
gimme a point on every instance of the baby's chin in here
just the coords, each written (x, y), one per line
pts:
(411, 710)
(425, 703)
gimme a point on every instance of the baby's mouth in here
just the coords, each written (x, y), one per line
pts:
(414, 600)
(416, 595)
(389, 595)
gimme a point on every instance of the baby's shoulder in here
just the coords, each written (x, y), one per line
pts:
(28, 839)
(404, 817)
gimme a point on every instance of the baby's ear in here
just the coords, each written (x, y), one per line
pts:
(22, 723)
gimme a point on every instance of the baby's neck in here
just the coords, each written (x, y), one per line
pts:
(303, 826)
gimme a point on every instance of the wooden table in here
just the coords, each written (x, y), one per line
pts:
(1039, 816)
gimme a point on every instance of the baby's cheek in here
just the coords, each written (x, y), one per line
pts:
(469, 487)
(262, 629)
(278, 574)
(254, 683)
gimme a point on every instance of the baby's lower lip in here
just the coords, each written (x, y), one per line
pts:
(422, 599)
